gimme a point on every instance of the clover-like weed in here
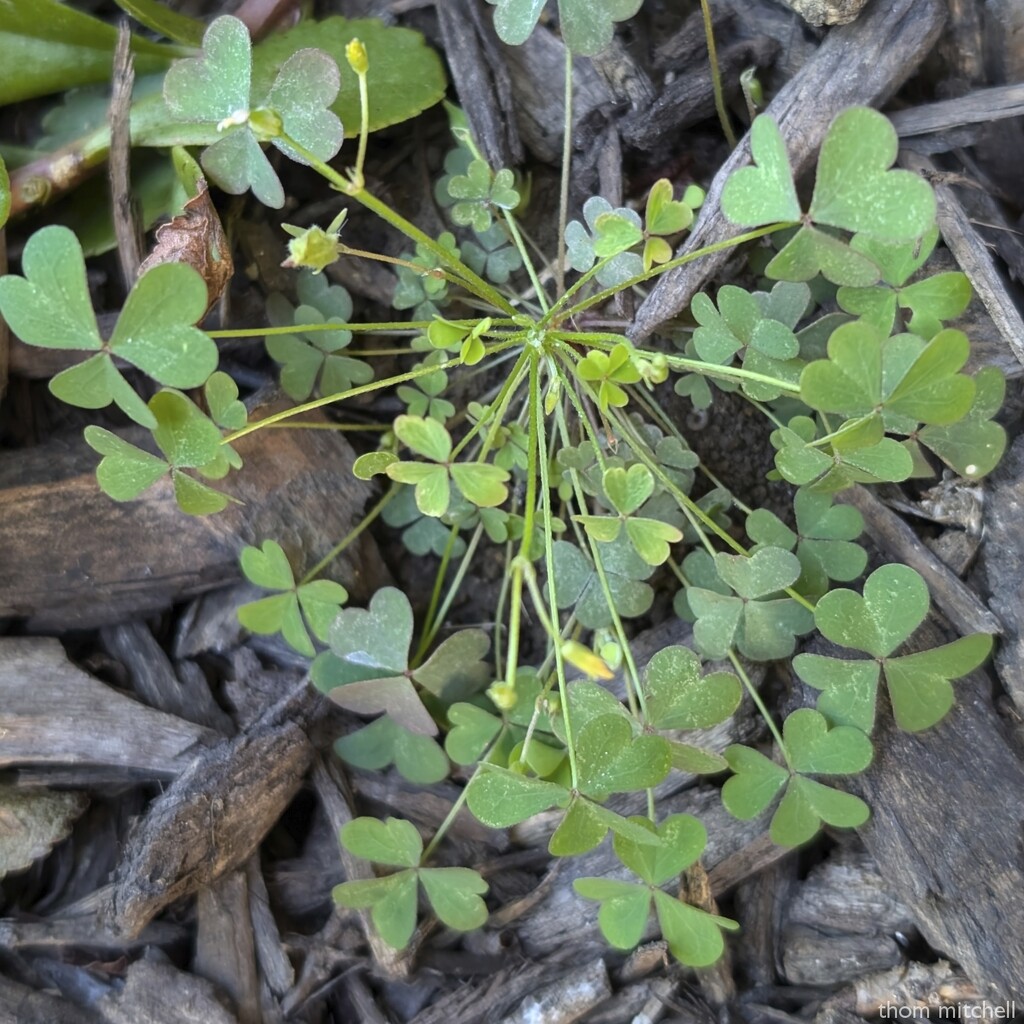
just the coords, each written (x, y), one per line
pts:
(567, 464)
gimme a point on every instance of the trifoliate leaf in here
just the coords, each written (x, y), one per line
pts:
(902, 377)
(580, 241)
(215, 89)
(366, 670)
(50, 307)
(312, 360)
(577, 584)
(894, 604)
(760, 629)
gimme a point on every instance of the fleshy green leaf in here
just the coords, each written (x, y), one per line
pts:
(764, 193)
(454, 894)
(404, 78)
(610, 760)
(500, 798)
(393, 841)
(418, 758)
(678, 697)
(855, 190)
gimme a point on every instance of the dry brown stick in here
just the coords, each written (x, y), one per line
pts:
(124, 207)
(979, 107)
(860, 63)
(481, 79)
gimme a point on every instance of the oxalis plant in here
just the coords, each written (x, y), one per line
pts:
(569, 465)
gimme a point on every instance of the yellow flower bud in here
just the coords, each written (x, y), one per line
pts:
(355, 54)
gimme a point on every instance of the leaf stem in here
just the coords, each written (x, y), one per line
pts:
(563, 190)
(351, 536)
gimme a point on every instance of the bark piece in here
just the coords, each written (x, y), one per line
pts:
(73, 558)
(841, 922)
(566, 1000)
(856, 64)
(187, 696)
(947, 810)
(32, 822)
(225, 947)
(19, 1004)
(1002, 561)
(53, 714)
(158, 993)
(690, 98)
(979, 107)
(481, 80)
(215, 814)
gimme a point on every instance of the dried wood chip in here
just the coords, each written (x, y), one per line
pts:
(32, 822)
(53, 714)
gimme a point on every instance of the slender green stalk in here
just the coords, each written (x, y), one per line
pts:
(351, 536)
(563, 191)
(760, 705)
(716, 75)
(549, 561)
(341, 396)
(468, 279)
(431, 622)
(524, 253)
(561, 313)
(450, 817)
